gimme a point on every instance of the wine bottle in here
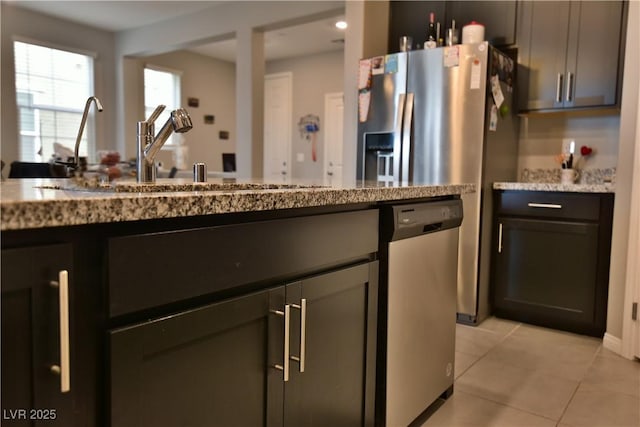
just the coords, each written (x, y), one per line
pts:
(432, 36)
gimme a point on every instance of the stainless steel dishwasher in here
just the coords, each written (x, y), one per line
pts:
(417, 308)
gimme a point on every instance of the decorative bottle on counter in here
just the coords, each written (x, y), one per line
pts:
(432, 37)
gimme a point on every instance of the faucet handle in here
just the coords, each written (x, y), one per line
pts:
(152, 118)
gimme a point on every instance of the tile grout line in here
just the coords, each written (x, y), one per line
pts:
(514, 407)
(593, 358)
(487, 352)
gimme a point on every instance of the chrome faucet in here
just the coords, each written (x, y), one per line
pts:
(76, 160)
(148, 145)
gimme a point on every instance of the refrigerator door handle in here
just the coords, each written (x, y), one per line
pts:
(397, 140)
(406, 138)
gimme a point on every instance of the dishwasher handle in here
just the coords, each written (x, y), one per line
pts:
(430, 228)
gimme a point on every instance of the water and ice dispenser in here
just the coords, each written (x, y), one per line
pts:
(378, 157)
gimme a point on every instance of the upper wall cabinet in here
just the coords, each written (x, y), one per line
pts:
(498, 18)
(569, 54)
(411, 18)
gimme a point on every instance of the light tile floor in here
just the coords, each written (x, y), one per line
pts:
(514, 374)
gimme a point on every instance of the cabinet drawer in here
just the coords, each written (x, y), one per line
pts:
(151, 270)
(549, 204)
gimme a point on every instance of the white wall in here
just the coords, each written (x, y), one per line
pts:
(313, 77)
(18, 22)
(629, 143)
(541, 140)
(213, 83)
(226, 20)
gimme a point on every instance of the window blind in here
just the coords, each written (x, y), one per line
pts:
(52, 87)
(161, 87)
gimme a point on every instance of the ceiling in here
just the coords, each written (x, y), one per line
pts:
(115, 16)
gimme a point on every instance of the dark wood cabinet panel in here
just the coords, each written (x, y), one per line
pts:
(549, 267)
(498, 18)
(552, 270)
(411, 18)
(335, 388)
(181, 352)
(212, 259)
(205, 367)
(569, 53)
(216, 365)
(31, 330)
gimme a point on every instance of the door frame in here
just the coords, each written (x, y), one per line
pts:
(327, 97)
(288, 132)
(631, 328)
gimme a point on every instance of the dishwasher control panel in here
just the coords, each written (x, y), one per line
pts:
(421, 218)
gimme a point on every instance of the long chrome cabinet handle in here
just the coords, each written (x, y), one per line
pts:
(544, 205)
(64, 369)
(285, 363)
(569, 97)
(500, 238)
(559, 88)
(303, 332)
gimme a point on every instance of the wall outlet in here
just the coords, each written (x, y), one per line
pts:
(566, 145)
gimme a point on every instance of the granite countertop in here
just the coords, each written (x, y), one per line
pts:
(545, 186)
(38, 203)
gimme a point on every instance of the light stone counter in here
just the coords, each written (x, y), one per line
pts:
(35, 203)
(543, 186)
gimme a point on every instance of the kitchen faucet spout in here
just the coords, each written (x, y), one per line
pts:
(91, 99)
(148, 145)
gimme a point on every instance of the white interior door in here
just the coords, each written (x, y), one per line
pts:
(277, 126)
(333, 124)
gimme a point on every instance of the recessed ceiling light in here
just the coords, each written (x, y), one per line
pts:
(341, 25)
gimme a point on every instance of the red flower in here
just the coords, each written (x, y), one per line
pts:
(585, 151)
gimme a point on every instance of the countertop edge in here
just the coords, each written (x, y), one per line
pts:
(93, 208)
(555, 187)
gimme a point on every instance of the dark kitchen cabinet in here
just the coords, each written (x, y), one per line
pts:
(204, 367)
(337, 381)
(411, 18)
(569, 54)
(551, 259)
(33, 365)
(223, 364)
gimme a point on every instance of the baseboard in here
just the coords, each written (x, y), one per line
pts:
(612, 343)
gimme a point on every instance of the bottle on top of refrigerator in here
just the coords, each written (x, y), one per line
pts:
(432, 36)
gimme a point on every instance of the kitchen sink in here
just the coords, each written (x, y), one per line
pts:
(168, 185)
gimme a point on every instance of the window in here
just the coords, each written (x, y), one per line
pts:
(52, 87)
(161, 86)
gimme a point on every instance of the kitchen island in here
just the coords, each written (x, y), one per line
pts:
(228, 304)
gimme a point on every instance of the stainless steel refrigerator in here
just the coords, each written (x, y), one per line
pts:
(433, 117)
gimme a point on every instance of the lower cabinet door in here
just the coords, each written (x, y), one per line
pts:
(546, 273)
(32, 392)
(333, 335)
(206, 367)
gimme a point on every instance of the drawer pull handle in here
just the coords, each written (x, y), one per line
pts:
(64, 370)
(500, 238)
(544, 205)
(559, 88)
(303, 332)
(570, 87)
(285, 363)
